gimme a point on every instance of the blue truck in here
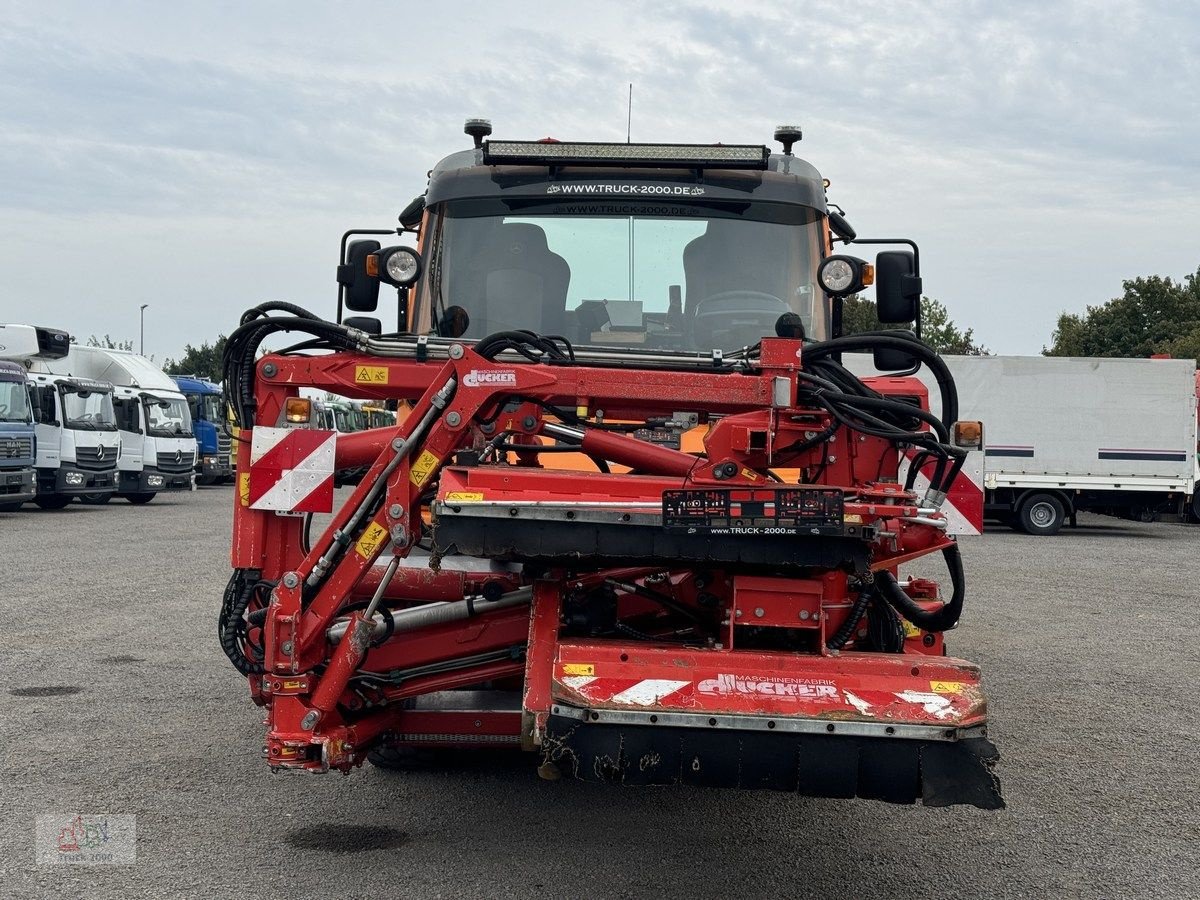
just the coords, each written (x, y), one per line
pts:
(18, 443)
(214, 461)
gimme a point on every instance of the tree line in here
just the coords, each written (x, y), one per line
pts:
(1153, 315)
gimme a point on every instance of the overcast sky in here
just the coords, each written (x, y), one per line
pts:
(203, 157)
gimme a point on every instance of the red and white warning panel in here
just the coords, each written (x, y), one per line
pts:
(964, 502)
(291, 470)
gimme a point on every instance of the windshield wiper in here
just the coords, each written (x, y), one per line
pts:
(82, 426)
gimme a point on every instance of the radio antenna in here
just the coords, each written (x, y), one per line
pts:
(629, 118)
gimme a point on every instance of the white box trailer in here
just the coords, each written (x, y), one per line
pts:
(1067, 434)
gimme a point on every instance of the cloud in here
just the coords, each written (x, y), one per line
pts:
(1039, 152)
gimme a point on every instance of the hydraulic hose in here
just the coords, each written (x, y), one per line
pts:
(838, 641)
(238, 594)
(936, 620)
(893, 340)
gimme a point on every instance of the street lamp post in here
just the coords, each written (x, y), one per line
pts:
(142, 351)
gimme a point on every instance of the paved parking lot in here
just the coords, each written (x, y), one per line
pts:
(118, 700)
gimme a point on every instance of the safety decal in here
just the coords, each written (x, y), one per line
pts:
(369, 543)
(370, 375)
(422, 468)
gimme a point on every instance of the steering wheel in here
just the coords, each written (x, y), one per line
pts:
(753, 296)
(736, 318)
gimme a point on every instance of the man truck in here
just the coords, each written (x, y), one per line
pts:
(18, 482)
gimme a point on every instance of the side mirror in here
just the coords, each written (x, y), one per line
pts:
(897, 287)
(454, 322)
(889, 359)
(364, 323)
(362, 290)
(410, 216)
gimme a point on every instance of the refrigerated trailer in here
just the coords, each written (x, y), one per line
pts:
(1064, 435)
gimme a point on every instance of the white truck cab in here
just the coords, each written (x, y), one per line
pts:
(158, 446)
(77, 438)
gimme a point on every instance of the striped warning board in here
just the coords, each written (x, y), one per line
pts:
(291, 469)
(964, 502)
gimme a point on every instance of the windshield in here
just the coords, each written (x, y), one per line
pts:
(676, 276)
(14, 402)
(167, 417)
(206, 408)
(349, 420)
(88, 409)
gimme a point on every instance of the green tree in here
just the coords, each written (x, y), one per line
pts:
(109, 344)
(203, 361)
(937, 328)
(1153, 315)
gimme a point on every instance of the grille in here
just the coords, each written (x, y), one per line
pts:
(86, 458)
(224, 443)
(167, 463)
(15, 448)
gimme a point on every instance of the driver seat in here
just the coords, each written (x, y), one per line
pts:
(517, 282)
(736, 255)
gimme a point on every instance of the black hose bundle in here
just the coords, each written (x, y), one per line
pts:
(885, 631)
(843, 634)
(535, 347)
(891, 340)
(936, 620)
(241, 348)
(826, 383)
(232, 629)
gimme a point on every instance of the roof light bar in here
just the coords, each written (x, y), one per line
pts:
(657, 156)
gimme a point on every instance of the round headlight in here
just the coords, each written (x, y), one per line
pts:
(843, 275)
(837, 276)
(402, 266)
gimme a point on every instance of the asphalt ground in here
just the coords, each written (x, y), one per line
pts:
(119, 701)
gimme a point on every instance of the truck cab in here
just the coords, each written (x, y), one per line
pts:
(209, 421)
(158, 449)
(77, 438)
(17, 480)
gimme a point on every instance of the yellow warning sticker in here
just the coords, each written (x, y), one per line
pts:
(369, 543)
(370, 375)
(579, 669)
(422, 468)
(946, 687)
(293, 685)
(244, 488)
(463, 496)
(852, 519)
(910, 630)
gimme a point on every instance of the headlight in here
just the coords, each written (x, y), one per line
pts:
(399, 266)
(844, 275)
(74, 479)
(210, 460)
(154, 480)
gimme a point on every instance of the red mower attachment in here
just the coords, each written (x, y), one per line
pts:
(731, 617)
